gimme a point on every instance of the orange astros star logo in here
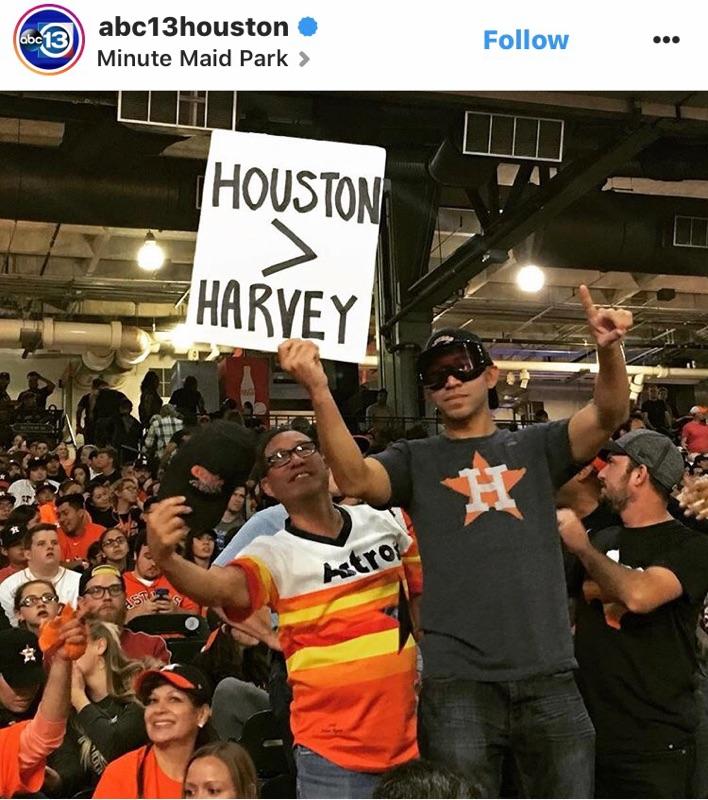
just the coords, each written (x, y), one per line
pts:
(486, 487)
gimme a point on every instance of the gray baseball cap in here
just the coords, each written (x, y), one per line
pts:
(657, 452)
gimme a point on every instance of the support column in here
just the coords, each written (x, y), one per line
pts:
(409, 220)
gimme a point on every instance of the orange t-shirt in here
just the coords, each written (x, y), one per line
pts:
(120, 778)
(12, 780)
(48, 514)
(76, 547)
(137, 592)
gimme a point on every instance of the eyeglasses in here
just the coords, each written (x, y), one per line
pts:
(114, 542)
(282, 457)
(33, 600)
(97, 592)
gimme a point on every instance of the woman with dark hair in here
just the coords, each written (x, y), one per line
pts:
(176, 700)
(221, 769)
(81, 474)
(150, 400)
(115, 549)
(200, 548)
(239, 666)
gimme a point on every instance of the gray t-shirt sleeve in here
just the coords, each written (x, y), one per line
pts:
(396, 459)
(556, 447)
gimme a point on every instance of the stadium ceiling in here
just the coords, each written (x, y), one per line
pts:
(79, 190)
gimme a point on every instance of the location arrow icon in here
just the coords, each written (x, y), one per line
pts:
(308, 254)
(304, 58)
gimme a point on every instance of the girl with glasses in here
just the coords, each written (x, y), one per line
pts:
(35, 603)
(115, 549)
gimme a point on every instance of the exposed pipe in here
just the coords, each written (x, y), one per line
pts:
(99, 344)
(562, 366)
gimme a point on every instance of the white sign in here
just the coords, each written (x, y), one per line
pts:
(287, 243)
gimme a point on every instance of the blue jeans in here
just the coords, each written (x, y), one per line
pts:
(540, 722)
(319, 778)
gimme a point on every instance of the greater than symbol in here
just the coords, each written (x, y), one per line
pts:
(308, 254)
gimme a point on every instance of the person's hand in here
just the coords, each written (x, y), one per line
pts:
(607, 325)
(693, 498)
(301, 359)
(79, 698)
(165, 527)
(52, 782)
(572, 530)
(161, 605)
(72, 640)
(78, 681)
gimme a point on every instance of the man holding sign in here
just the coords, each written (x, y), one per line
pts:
(287, 243)
(497, 648)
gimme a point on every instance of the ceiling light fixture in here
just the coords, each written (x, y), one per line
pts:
(182, 338)
(530, 279)
(150, 256)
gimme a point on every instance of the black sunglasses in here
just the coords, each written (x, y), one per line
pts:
(434, 375)
(436, 379)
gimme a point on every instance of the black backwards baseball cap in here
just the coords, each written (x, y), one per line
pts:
(20, 658)
(183, 676)
(655, 451)
(206, 470)
(452, 340)
(12, 534)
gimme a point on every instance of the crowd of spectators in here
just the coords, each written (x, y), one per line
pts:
(161, 658)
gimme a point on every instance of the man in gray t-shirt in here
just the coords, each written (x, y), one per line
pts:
(497, 649)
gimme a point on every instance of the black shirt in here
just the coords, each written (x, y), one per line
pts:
(638, 679)
(40, 395)
(656, 412)
(599, 519)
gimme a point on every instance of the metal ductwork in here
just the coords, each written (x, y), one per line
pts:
(39, 185)
(622, 232)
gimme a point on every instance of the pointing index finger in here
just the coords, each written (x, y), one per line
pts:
(586, 300)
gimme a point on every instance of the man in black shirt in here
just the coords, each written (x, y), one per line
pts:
(656, 411)
(188, 400)
(635, 623)
(35, 397)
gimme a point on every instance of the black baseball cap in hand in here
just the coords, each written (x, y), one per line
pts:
(207, 469)
(20, 658)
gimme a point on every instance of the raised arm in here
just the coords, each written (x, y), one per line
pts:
(224, 586)
(355, 475)
(50, 385)
(591, 426)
